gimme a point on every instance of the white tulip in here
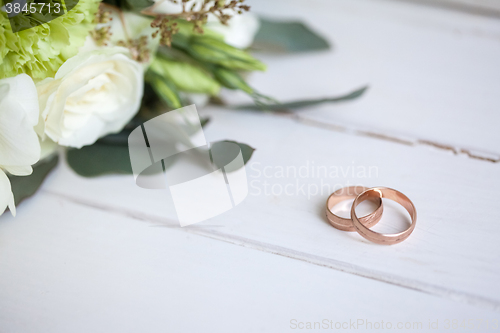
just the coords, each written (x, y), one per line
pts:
(19, 145)
(239, 31)
(92, 94)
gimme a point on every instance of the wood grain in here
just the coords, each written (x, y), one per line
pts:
(70, 268)
(452, 252)
(432, 73)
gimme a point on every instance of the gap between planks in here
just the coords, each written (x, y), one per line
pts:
(205, 231)
(473, 7)
(413, 142)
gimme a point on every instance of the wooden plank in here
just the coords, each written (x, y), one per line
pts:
(65, 267)
(452, 253)
(477, 7)
(433, 73)
(434, 78)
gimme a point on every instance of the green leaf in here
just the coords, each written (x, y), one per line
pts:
(204, 121)
(134, 5)
(25, 186)
(137, 5)
(100, 159)
(246, 152)
(290, 106)
(109, 155)
(287, 37)
(112, 157)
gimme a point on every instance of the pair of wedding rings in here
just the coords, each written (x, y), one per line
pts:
(363, 224)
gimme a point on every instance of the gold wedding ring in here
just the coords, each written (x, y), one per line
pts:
(388, 193)
(346, 193)
(362, 224)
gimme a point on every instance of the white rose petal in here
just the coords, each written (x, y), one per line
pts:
(6, 196)
(18, 115)
(19, 145)
(92, 94)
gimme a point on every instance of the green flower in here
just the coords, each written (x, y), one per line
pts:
(41, 50)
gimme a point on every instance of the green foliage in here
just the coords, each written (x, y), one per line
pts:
(25, 186)
(100, 159)
(223, 153)
(137, 5)
(110, 155)
(287, 37)
(133, 5)
(246, 150)
(290, 106)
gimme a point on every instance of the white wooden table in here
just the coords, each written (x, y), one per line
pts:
(102, 255)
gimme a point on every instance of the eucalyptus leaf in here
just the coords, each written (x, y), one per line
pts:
(118, 139)
(106, 159)
(133, 5)
(137, 5)
(25, 186)
(100, 159)
(109, 155)
(290, 106)
(204, 121)
(246, 152)
(287, 37)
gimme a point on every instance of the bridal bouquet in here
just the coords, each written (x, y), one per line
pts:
(82, 74)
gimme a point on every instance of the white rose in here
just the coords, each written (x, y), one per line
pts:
(92, 94)
(19, 145)
(239, 31)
